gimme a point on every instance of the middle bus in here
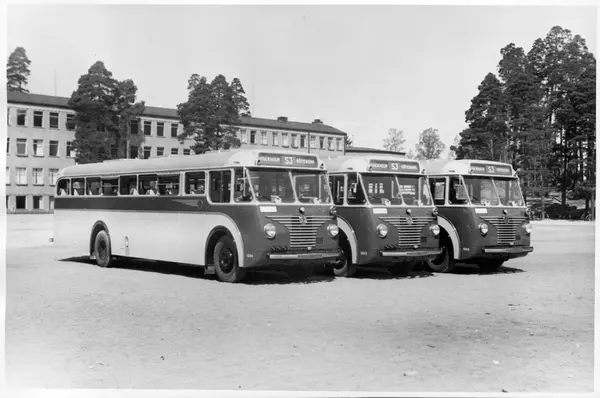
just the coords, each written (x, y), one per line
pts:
(385, 213)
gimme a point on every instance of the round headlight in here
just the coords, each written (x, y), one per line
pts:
(435, 229)
(333, 230)
(382, 230)
(270, 231)
(483, 228)
(528, 228)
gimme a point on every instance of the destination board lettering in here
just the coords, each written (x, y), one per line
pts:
(384, 165)
(380, 165)
(286, 160)
(491, 169)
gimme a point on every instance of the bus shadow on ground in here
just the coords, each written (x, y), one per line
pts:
(471, 269)
(383, 273)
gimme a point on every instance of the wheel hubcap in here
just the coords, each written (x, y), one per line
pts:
(226, 260)
(102, 250)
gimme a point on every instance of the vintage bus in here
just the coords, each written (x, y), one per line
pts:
(482, 214)
(232, 210)
(385, 212)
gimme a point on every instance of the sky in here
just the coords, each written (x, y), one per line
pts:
(361, 69)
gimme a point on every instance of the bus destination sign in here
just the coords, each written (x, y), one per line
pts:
(491, 169)
(272, 159)
(402, 167)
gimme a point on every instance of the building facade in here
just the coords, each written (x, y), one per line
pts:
(39, 143)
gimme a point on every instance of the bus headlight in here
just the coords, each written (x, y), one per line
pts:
(270, 231)
(528, 228)
(435, 211)
(382, 230)
(483, 228)
(435, 229)
(333, 230)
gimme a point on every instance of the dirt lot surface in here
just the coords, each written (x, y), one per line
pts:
(527, 328)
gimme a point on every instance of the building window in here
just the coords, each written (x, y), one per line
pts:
(174, 151)
(174, 127)
(253, 137)
(38, 118)
(53, 148)
(38, 203)
(8, 176)
(21, 201)
(22, 146)
(53, 120)
(52, 176)
(21, 117)
(38, 176)
(322, 142)
(51, 200)
(69, 123)
(38, 147)
(147, 151)
(147, 127)
(8, 145)
(263, 137)
(133, 152)
(294, 140)
(21, 176)
(302, 141)
(275, 139)
(70, 152)
(313, 142)
(243, 137)
(330, 143)
(160, 129)
(134, 126)
(160, 151)
(338, 144)
(186, 151)
(284, 139)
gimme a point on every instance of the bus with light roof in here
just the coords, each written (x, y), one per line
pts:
(231, 210)
(385, 212)
(482, 213)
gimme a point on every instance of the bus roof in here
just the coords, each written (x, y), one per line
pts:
(469, 166)
(229, 158)
(373, 163)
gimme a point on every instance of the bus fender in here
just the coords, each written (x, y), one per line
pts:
(212, 241)
(98, 226)
(447, 226)
(349, 232)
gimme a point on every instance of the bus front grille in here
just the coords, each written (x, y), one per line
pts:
(303, 232)
(506, 227)
(409, 228)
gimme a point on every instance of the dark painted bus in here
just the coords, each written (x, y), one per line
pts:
(385, 212)
(232, 210)
(482, 213)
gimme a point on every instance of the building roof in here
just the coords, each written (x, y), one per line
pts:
(364, 150)
(171, 113)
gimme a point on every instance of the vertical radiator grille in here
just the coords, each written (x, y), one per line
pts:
(302, 234)
(409, 228)
(506, 227)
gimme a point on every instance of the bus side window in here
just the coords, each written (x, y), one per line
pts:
(439, 191)
(456, 195)
(128, 185)
(77, 187)
(148, 184)
(110, 186)
(337, 189)
(92, 186)
(168, 185)
(356, 195)
(195, 183)
(220, 186)
(63, 187)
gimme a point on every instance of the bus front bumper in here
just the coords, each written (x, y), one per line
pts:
(303, 256)
(416, 254)
(508, 250)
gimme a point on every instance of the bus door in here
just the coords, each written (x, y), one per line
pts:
(219, 186)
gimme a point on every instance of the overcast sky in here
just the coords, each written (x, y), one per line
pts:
(361, 69)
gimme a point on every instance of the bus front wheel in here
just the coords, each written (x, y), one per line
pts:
(102, 249)
(445, 261)
(226, 262)
(344, 267)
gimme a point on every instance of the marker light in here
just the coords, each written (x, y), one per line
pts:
(435, 211)
(333, 230)
(483, 228)
(435, 229)
(270, 231)
(528, 228)
(382, 230)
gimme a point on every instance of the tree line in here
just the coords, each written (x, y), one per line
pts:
(429, 144)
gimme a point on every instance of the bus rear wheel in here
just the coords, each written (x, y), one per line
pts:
(226, 262)
(490, 265)
(102, 249)
(344, 267)
(445, 261)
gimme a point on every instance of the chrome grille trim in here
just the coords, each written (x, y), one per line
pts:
(408, 234)
(506, 231)
(301, 235)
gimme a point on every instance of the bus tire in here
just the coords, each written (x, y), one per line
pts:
(102, 249)
(445, 262)
(490, 265)
(226, 262)
(344, 267)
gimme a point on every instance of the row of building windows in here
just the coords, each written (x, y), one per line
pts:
(134, 152)
(20, 203)
(297, 140)
(39, 149)
(37, 176)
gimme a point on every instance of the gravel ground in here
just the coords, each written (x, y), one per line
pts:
(527, 328)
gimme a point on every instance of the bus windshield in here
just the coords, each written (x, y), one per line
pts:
(284, 186)
(488, 191)
(388, 189)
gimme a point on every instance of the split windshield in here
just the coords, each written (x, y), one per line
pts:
(489, 191)
(389, 190)
(286, 186)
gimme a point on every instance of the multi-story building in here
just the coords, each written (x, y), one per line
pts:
(39, 143)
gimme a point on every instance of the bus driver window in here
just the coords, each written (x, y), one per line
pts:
(457, 194)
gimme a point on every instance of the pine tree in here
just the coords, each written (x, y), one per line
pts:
(17, 71)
